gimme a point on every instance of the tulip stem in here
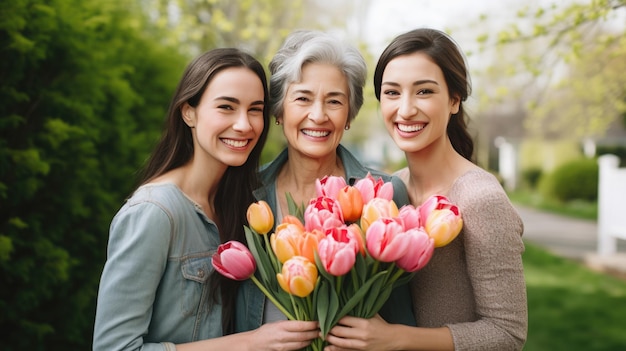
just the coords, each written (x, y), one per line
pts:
(270, 253)
(271, 297)
(397, 275)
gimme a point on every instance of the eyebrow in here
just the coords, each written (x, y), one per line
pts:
(416, 83)
(309, 92)
(236, 101)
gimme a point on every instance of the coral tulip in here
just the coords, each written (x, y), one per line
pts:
(444, 225)
(421, 248)
(386, 240)
(233, 260)
(337, 251)
(351, 203)
(322, 213)
(329, 186)
(375, 209)
(298, 276)
(371, 188)
(308, 243)
(260, 217)
(293, 220)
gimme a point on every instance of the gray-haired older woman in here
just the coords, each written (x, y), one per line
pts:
(316, 91)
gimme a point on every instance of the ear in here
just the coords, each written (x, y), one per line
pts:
(455, 104)
(189, 114)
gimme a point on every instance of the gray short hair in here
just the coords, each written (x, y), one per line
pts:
(308, 46)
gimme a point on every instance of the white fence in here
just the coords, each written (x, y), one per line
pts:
(611, 204)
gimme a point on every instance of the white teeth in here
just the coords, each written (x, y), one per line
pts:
(410, 127)
(315, 133)
(235, 143)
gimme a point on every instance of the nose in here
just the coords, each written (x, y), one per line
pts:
(407, 108)
(242, 124)
(317, 113)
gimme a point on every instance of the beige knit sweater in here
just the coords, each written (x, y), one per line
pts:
(475, 285)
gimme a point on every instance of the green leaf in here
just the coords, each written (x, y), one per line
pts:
(358, 296)
(264, 266)
(330, 300)
(381, 297)
(361, 267)
(295, 209)
(320, 267)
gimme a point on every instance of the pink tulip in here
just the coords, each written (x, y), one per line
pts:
(410, 217)
(386, 240)
(371, 188)
(444, 225)
(322, 213)
(355, 231)
(421, 248)
(338, 250)
(233, 260)
(286, 241)
(298, 276)
(434, 202)
(329, 186)
(375, 209)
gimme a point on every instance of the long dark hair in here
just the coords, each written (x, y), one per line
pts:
(234, 193)
(446, 54)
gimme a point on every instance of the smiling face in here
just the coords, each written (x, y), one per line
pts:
(315, 111)
(228, 121)
(415, 103)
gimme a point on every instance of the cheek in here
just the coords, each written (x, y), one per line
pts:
(257, 124)
(387, 110)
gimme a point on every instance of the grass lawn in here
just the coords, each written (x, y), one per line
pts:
(575, 208)
(572, 307)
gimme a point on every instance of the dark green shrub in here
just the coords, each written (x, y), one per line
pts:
(617, 150)
(575, 180)
(531, 177)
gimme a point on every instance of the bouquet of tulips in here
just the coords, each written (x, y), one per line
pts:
(343, 254)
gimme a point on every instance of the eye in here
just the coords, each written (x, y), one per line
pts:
(335, 102)
(302, 98)
(391, 92)
(225, 107)
(256, 109)
(424, 92)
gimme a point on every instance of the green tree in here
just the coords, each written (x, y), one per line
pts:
(566, 61)
(84, 91)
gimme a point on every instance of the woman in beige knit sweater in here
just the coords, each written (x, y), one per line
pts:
(472, 294)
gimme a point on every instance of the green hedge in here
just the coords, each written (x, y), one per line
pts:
(575, 180)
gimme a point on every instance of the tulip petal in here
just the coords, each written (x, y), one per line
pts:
(300, 286)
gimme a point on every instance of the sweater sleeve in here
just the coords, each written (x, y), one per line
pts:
(493, 253)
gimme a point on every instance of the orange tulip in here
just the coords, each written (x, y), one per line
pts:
(309, 242)
(351, 203)
(260, 217)
(298, 276)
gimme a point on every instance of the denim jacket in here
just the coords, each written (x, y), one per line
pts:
(251, 301)
(154, 285)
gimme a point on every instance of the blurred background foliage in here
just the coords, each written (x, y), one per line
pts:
(85, 85)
